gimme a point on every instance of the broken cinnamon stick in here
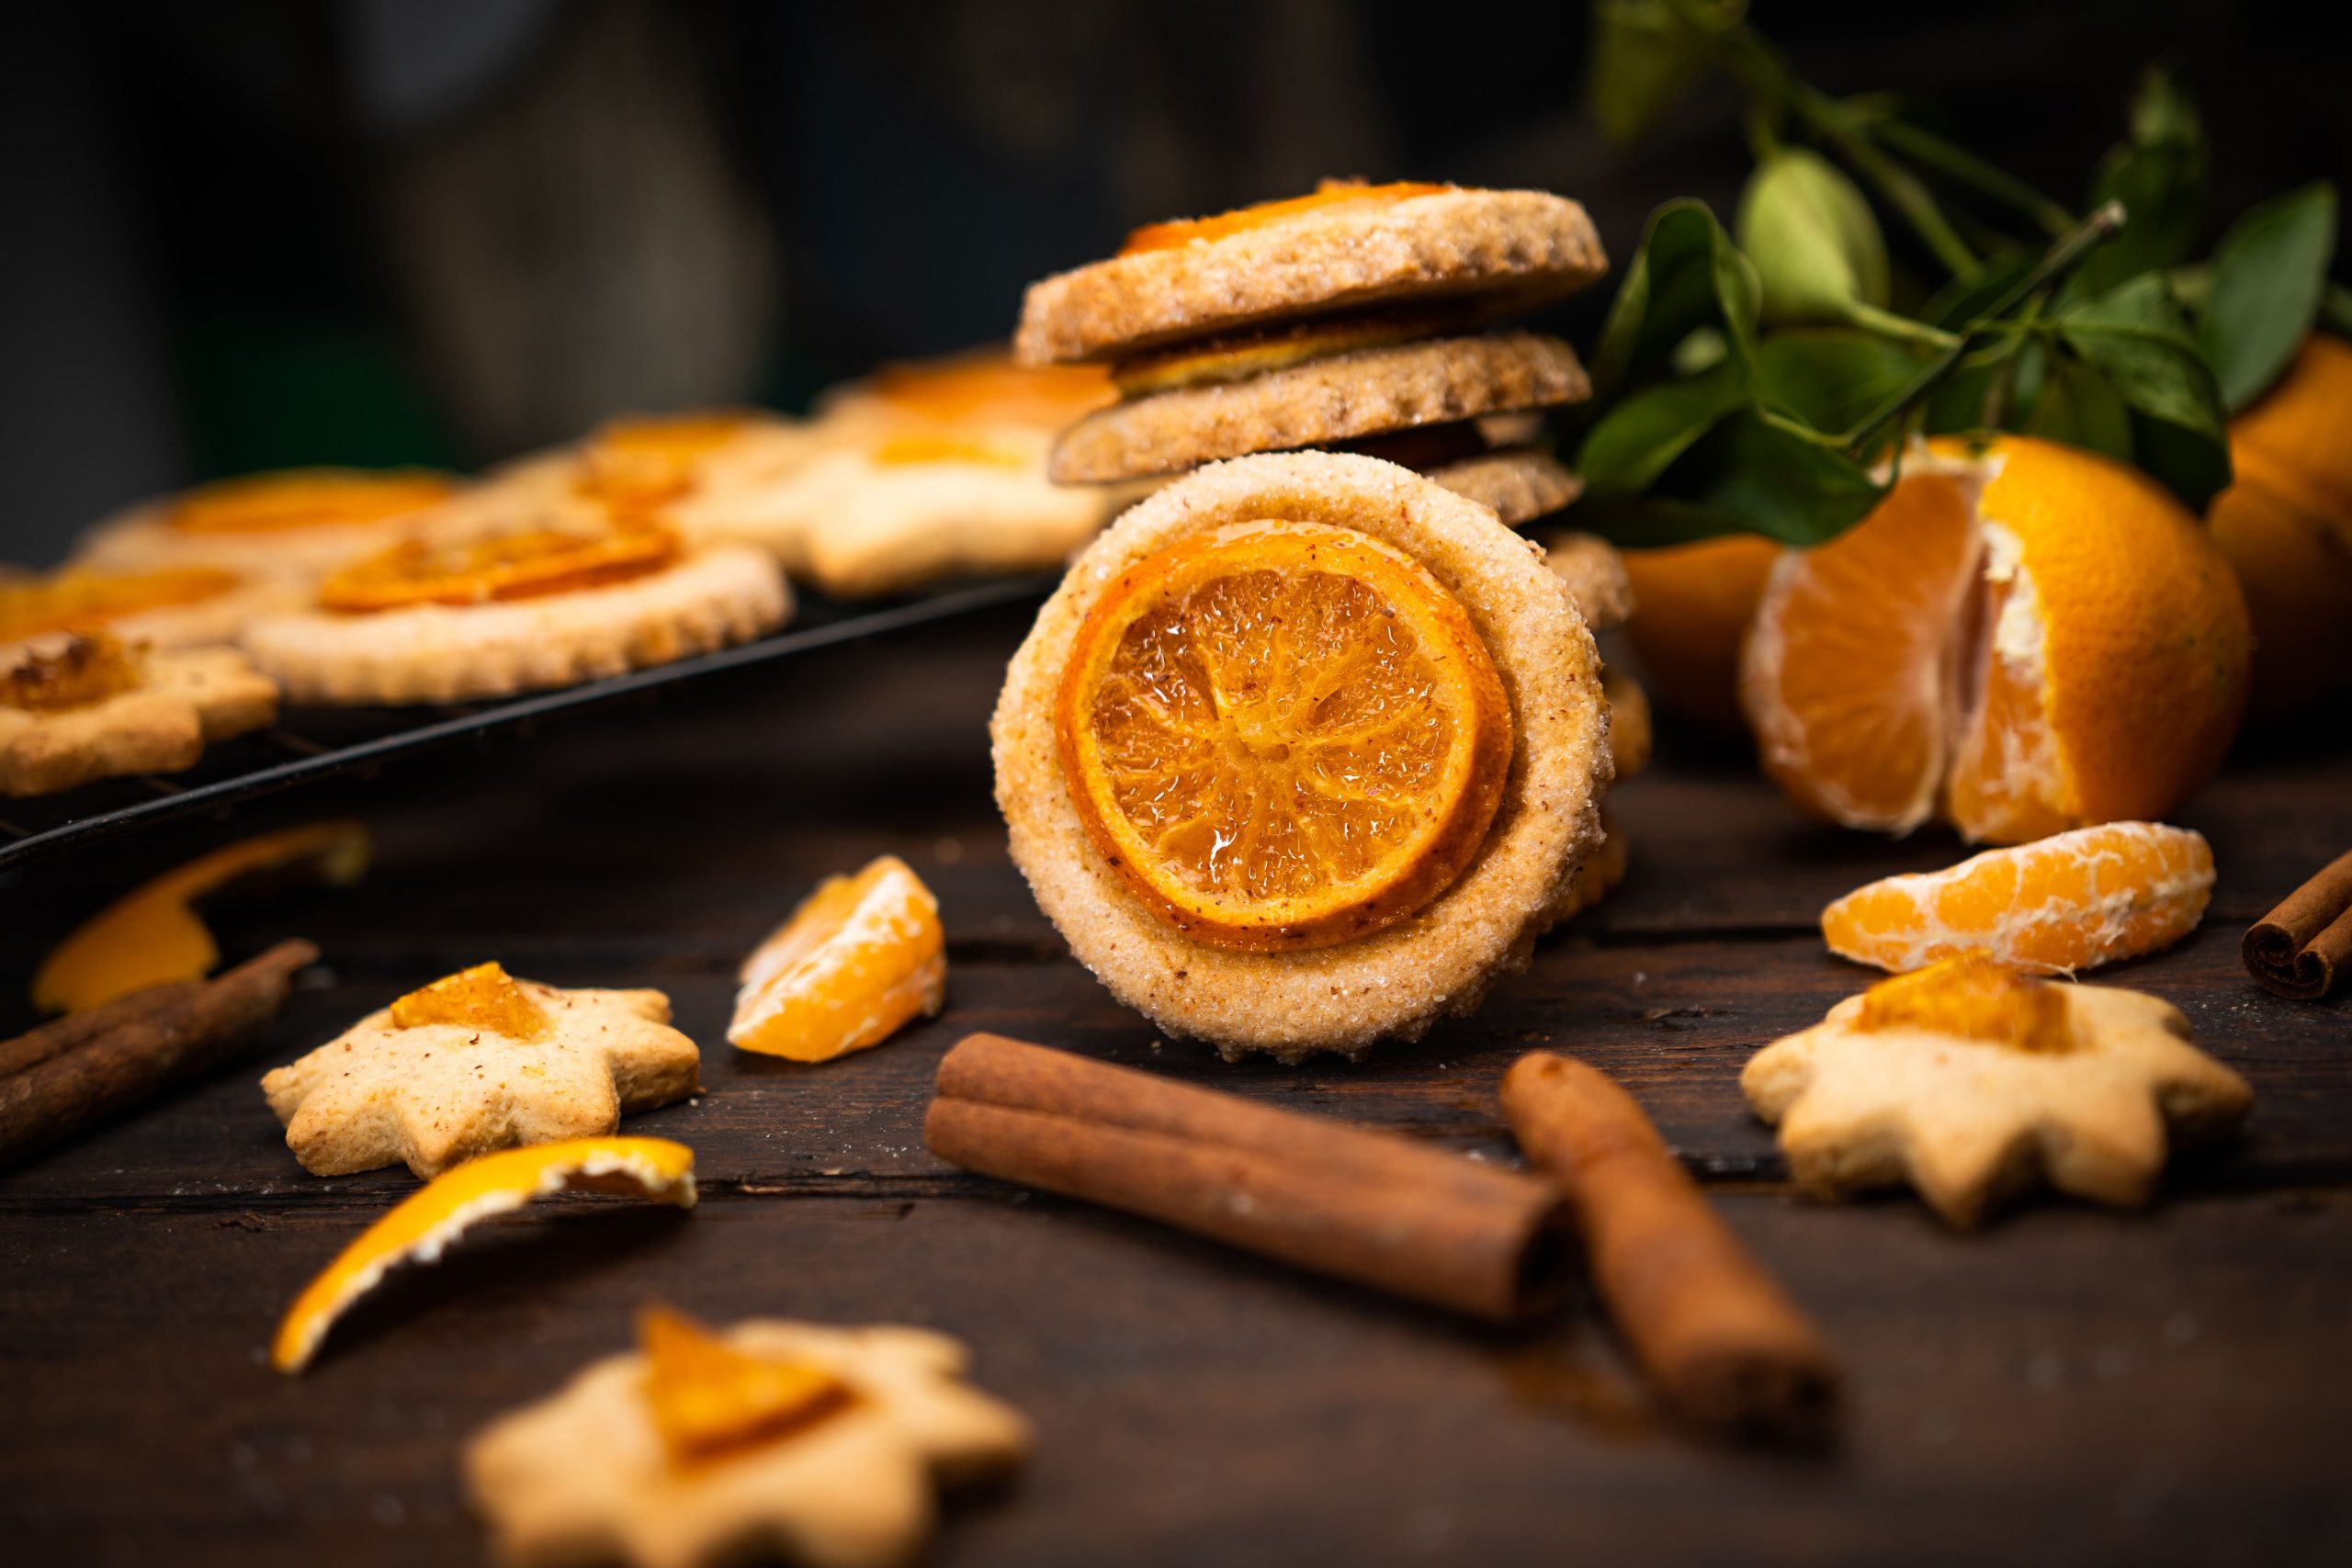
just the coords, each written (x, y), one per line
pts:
(60, 1035)
(111, 1072)
(1710, 1328)
(2299, 949)
(1370, 1207)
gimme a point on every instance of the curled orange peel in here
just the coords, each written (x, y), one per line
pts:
(153, 935)
(421, 1227)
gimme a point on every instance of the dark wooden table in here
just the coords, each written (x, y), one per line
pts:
(2072, 1385)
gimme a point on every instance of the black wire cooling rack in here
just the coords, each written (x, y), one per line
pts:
(311, 744)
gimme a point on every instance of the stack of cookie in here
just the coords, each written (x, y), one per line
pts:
(1359, 318)
(1351, 320)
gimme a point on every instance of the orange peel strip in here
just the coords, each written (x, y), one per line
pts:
(153, 936)
(423, 1225)
(2071, 901)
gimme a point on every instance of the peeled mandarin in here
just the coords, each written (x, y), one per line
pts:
(2069, 902)
(860, 957)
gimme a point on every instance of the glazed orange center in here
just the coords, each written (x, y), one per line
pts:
(1330, 195)
(647, 461)
(710, 1400)
(83, 601)
(1282, 735)
(86, 669)
(994, 387)
(931, 446)
(485, 997)
(516, 566)
(306, 498)
(1974, 998)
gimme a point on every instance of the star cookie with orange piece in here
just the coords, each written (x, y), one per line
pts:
(1969, 1082)
(564, 598)
(296, 523)
(1349, 319)
(478, 1061)
(1303, 754)
(920, 472)
(824, 1447)
(193, 606)
(79, 708)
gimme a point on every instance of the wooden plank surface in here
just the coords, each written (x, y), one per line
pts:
(2070, 1385)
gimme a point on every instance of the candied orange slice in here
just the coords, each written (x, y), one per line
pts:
(918, 447)
(710, 1400)
(645, 460)
(153, 935)
(1329, 193)
(858, 958)
(2068, 902)
(429, 1219)
(85, 600)
(515, 565)
(307, 498)
(86, 670)
(485, 997)
(991, 388)
(1971, 996)
(1282, 735)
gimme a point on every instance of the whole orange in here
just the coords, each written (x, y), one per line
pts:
(1691, 607)
(2024, 637)
(2286, 525)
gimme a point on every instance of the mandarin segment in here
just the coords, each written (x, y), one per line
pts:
(1282, 735)
(2072, 901)
(858, 959)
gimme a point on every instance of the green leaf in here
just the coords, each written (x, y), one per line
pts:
(1646, 55)
(2269, 273)
(1629, 446)
(1685, 274)
(2159, 177)
(2138, 338)
(1809, 232)
(2335, 310)
(2079, 406)
(1746, 475)
(1829, 379)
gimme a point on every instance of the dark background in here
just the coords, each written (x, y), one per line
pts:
(259, 233)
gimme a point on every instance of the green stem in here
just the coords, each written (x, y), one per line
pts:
(2056, 263)
(1887, 324)
(1964, 167)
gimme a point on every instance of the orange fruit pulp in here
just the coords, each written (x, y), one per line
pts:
(860, 957)
(2023, 640)
(307, 498)
(84, 600)
(2068, 902)
(485, 997)
(987, 387)
(1329, 193)
(1282, 735)
(525, 565)
(2286, 525)
(710, 1400)
(646, 460)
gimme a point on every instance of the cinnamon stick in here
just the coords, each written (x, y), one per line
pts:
(2299, 949)
(1711, 1328)
(1370, 1207)
(60, 1035)
(112, 1071)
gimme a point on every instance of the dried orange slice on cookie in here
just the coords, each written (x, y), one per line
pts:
(296, 523)
(1304, 751)
(1282, 735)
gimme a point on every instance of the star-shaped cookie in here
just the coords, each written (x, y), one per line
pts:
(1968, 1081)
(476, 1061)
(586, 1475)
(88, 709)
